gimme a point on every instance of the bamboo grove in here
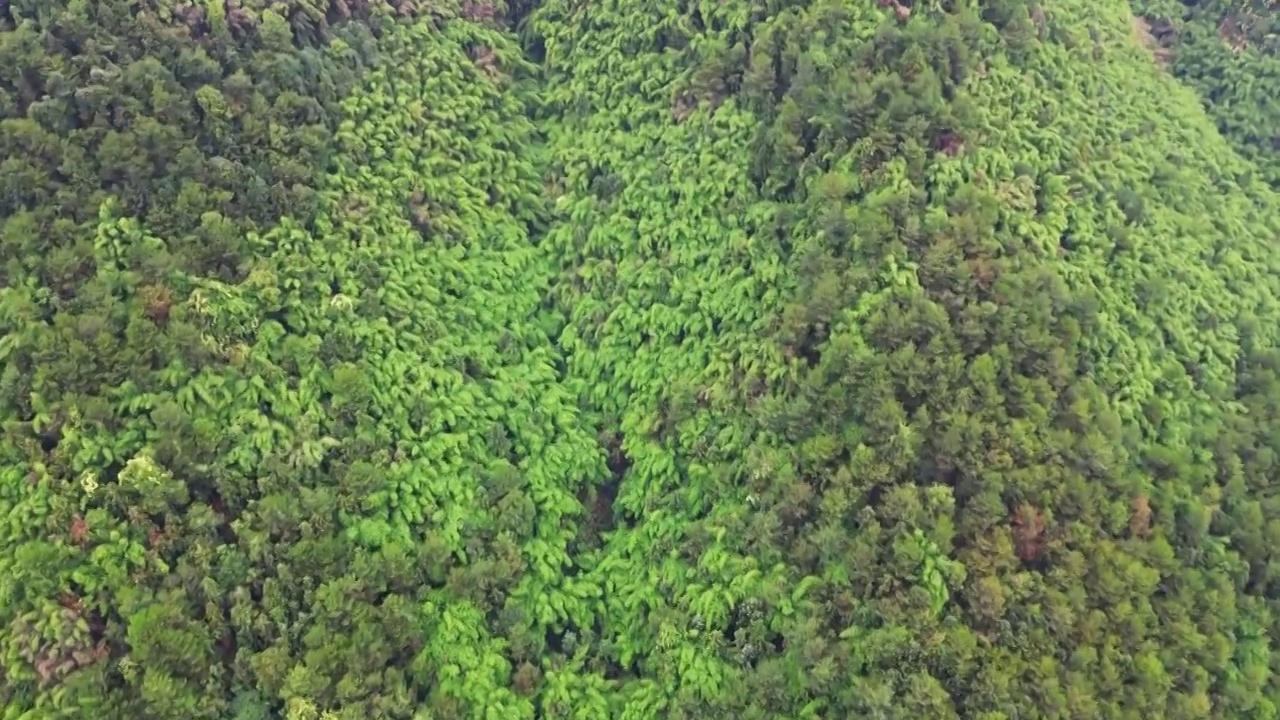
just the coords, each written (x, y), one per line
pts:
(755, 359)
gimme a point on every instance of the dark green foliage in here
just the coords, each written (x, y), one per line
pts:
(692, 360)
(1229, 51)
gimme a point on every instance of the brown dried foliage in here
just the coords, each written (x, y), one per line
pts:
(1140, 521)
(158, 301)
(1028, 532)
(79, 530)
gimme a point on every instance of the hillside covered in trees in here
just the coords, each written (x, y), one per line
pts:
(688, 359)
(1229, 51)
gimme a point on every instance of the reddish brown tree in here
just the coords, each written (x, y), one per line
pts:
(1028, 532)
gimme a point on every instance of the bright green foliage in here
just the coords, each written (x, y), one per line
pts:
(411, 318)
(635, 360)
(668, 277)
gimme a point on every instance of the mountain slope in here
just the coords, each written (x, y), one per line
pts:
(1027, 299)
(636, 360)
(1227, 51)
(260, 482)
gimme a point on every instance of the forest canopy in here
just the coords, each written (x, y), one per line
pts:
(436, 359)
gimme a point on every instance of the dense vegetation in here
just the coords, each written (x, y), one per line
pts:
(669, 359)
(1229, 51)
